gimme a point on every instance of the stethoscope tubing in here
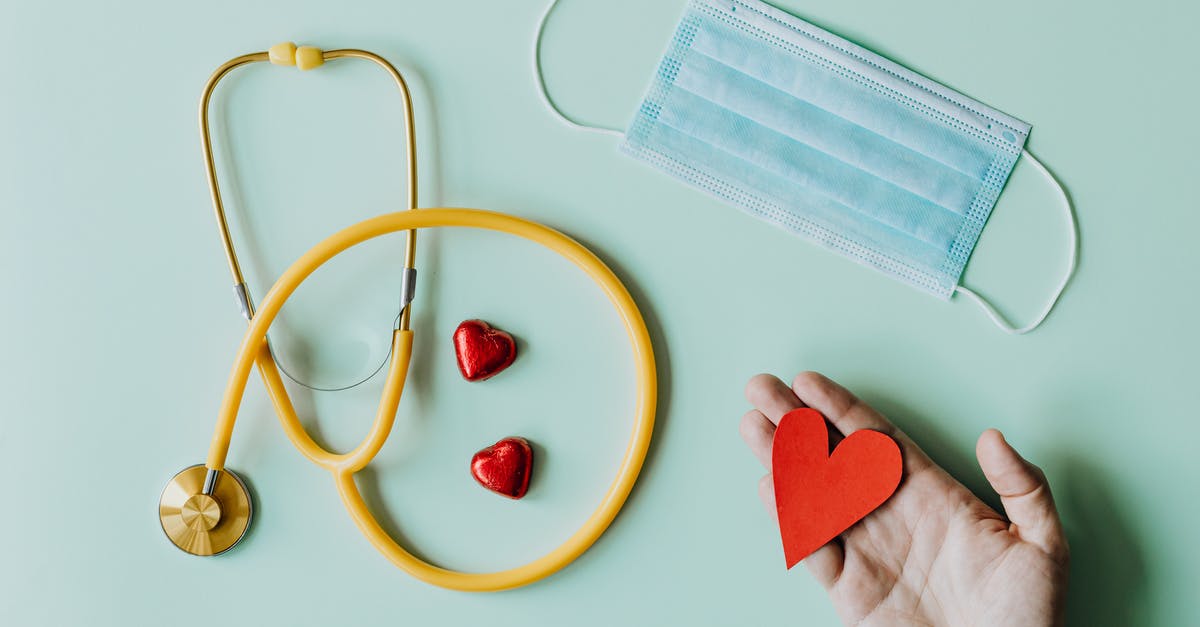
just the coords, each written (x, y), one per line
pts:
(343, 466)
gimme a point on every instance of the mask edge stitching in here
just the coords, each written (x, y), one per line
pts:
(977, 217)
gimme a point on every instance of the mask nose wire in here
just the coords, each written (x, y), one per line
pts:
(541, 82)
(995, 316)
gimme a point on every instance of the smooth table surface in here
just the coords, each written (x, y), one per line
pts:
(119, 325)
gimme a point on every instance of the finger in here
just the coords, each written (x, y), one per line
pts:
(1023, 491)
(839, 406)
(825, 563)
(849, 414)
(758, 432)
(771, 396)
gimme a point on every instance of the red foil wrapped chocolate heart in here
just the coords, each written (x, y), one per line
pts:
(482, 351)
(504, 467)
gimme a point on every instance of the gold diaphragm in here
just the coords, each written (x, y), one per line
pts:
(204, 524)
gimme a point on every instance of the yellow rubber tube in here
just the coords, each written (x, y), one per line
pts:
(253, 350)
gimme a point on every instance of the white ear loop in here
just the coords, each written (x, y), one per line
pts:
(987, 307)
(541, 82)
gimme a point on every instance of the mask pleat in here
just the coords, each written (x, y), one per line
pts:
(773, 196)
(813, 170)
(850, 143)
(829, 90)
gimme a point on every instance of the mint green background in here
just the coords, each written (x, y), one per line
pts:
(119, 327)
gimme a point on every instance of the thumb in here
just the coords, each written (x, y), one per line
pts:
(1023, 491)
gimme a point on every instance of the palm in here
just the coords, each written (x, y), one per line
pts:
(927, 556)
(933, 554)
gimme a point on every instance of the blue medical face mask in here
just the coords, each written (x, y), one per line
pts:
(830, 141)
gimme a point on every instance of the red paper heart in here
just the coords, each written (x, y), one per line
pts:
(819, 495)
(504, 467)
(482, 351)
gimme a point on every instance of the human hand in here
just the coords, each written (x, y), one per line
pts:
(933, 554)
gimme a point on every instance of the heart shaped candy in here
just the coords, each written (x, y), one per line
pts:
(504, 467)
(818, 494)
(482, 351)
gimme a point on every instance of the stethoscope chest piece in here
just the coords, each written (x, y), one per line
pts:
(205, 519)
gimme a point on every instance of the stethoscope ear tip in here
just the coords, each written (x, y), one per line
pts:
(205, 512)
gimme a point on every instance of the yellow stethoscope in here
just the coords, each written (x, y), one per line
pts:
(206, 509)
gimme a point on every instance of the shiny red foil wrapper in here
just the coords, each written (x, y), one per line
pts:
(504, 467)
(482, 351)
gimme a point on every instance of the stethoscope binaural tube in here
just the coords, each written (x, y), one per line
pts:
(306, 58)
